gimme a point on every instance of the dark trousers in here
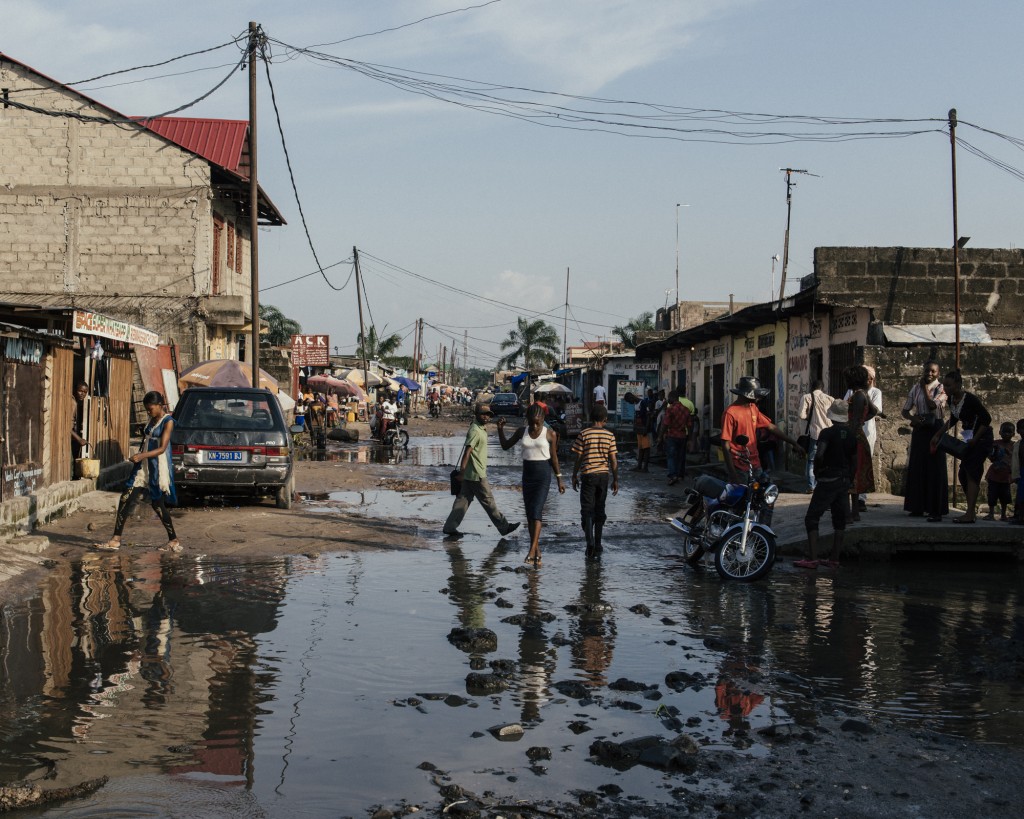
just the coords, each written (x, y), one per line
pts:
(832, 496)
(127, 502)
(593, 494)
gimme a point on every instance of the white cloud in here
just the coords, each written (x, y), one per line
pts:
(522, 289)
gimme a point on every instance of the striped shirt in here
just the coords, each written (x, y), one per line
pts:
(593, 448)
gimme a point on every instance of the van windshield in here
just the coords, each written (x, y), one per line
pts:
(226, 411)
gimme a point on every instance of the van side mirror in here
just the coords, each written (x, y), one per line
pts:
(295, 429)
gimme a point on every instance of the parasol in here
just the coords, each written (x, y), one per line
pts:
(224, 372)
(408, 383)
(355, 375)
(339, 386)
(553, 388)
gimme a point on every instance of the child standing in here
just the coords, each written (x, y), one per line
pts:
(596, 459)
(998, 475)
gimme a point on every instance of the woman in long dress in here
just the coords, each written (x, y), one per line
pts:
(925, 486)
(861, 410)
(153, 475)
(540, 454)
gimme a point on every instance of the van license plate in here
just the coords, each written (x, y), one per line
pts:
(235, 456)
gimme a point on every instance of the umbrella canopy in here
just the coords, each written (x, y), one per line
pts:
(285, 400)
(223, 372)
(553, 388)
(355, 375)
(340, 386)
(408, 383)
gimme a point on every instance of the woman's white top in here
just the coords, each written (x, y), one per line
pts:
(536, 449)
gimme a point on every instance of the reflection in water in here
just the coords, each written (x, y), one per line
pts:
(282, 679)
(593, 630)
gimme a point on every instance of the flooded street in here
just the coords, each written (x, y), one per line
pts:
(330, 683)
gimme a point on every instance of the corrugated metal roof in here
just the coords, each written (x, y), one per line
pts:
(221, 141)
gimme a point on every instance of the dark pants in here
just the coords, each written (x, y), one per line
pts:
(481, 490)
(675, 450)
(593, 494)
(127, 502)
(829, 495)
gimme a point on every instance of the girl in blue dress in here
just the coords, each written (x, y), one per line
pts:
(152, 475)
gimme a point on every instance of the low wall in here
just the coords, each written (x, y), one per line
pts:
(21, 515)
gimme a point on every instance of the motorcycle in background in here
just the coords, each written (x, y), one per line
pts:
(730, 522)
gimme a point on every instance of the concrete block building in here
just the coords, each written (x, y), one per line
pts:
(144, 221)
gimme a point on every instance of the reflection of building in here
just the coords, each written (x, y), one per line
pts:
(147, 223)
(115, 639)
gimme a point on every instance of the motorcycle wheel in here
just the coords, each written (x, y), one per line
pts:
(693, 547)
(755, 564)
(402, 439)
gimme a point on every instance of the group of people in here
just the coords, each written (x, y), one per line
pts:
(594, 473)
(667, 421)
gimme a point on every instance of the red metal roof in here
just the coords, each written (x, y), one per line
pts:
(222, 141)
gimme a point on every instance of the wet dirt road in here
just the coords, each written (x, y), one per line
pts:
(340, 682)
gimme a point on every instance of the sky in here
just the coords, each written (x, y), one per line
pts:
(446, 202)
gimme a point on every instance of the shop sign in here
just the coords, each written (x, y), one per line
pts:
(311, 351)
(94, 324)
(23, 350)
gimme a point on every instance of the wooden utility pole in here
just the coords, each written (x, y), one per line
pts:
(790, 184)
(565, 320)
(362, 331)
(254, 208)
(956, 238)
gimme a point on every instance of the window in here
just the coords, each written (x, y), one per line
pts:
(217, 263)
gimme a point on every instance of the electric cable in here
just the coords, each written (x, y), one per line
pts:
(291, 175)
(314, 273)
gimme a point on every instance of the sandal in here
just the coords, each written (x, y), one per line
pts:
(964, 519)
(172, 546)
(109, 546)
(537, 562)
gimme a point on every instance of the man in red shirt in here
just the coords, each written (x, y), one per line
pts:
(743, 417)
(675, 429)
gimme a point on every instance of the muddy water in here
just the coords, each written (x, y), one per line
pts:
(316, 685)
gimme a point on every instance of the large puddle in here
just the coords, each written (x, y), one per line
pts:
(317, 685)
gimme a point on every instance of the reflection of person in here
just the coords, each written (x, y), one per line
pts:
(836, 453)
(153, 474)
(925, 488)
(593, 637)
(966, 409)
(78, 441)
(540, 449)
(472, 472)
(594, 449)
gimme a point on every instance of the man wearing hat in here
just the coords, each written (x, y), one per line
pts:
(743, 417)
(472, 473)
(834, 463)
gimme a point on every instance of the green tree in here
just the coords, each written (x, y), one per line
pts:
(377, 348)
(282, 328)
(477, 378)
(627, 333)
(536, 343)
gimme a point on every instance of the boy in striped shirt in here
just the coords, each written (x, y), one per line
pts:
(595, 453)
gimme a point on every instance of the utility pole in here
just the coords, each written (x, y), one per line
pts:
(956, 238)
(565, 320)
(790, 184)
(415, 347)
(254, 208)
(362, 332)
(465, 349)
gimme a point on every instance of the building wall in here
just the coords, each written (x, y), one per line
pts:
(915, 285)
(113, 217)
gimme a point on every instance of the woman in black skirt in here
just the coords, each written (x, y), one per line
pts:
(925, 487)
(540, 453)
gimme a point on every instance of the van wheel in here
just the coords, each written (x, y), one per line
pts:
(283, 496)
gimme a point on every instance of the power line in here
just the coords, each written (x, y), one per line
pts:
(291, 174)
(407, 25)
(314, 273)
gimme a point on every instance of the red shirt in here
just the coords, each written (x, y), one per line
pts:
(744, 419)
(676, 421)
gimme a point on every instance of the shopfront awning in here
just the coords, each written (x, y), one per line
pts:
(936, 334)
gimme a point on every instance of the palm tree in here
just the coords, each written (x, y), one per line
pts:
(640, 324)
(535, 342)
(377, 348)
(282, 328)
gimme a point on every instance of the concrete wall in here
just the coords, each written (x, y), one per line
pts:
(111, 216)
(915, 285)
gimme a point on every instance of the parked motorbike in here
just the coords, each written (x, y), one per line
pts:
(732, 523)
(396, 436)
